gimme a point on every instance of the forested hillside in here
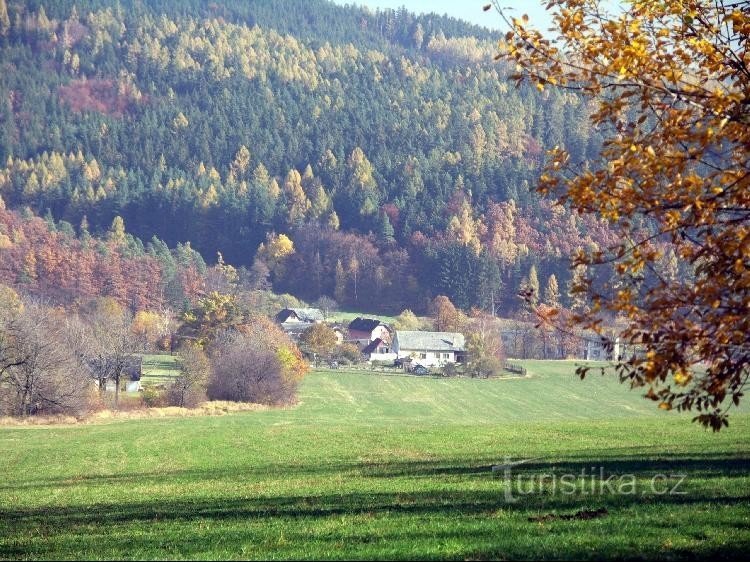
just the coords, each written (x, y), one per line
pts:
(388, 149)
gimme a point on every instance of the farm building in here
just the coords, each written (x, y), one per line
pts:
(379, 350)
(429, 348)
(365, 330)
(294, 321)
(295, 315)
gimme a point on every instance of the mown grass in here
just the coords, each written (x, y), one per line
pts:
(159, 368)
(379, 466)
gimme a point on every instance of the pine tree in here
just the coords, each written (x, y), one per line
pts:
(386, 232)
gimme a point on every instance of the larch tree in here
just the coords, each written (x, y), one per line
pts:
(552, 292)
(670, 84)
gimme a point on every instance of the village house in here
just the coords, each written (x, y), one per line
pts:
(299, 315)
(429, 348)
(294, 321)
(362, 331)
(608, 348)
(379, 350)
(340, 332)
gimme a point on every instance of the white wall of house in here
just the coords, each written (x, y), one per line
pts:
(383, 357)
(595, 351)
(382, 333)
(428, 358)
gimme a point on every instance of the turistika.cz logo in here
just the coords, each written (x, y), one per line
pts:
(588, 481)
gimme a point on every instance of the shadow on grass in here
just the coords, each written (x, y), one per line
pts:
(371, 503)
(479, 521)
(696, 465)
(468, 518)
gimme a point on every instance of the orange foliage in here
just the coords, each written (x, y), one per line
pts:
(671, 83)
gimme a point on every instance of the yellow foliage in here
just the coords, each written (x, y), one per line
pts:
(672, 173)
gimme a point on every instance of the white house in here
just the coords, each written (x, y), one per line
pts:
(599, 348)
(429, 348)
(362, 331)
(299, 315)
(379, 350)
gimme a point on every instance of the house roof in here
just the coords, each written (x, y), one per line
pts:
(372, 347)
(295, 328)
(365, 324)
(304, 314)
(430, 341)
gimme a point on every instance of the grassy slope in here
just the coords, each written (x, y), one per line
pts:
(379, 466)
(345, 316)
(159, 368)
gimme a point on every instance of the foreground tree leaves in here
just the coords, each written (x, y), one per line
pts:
(670, 83)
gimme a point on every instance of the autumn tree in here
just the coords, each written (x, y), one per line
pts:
(148, 327)
(407, 320)
(446, 317)
(275, 251)
(670, 83)
(4, 19)
(484, 347)
(297, 203)
(256, 362)
(116, 233)
(189, 387)
(243, 372)
(552, 292)
(319, 339)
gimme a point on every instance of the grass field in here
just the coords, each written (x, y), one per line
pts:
(345, 316)
(159, 369)
(386, 466)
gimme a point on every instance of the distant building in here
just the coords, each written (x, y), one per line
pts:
(379, 350)
(340, 333)
(602, 348)
(303, 315)
(429, 348)
(365, 330)
(294, 321)
(294, 329)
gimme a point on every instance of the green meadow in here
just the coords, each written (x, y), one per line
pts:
(388, 467)
(159, 368)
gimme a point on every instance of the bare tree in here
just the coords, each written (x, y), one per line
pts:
(38, 370)
(327, 305)
(112, 344)
(189, 388)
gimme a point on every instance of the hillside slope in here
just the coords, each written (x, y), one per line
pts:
(221, 123)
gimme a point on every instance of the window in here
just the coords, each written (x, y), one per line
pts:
(423, 356)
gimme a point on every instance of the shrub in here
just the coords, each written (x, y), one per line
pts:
(450, 370)
(347, 353)
(152, 398)
(245, 370)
